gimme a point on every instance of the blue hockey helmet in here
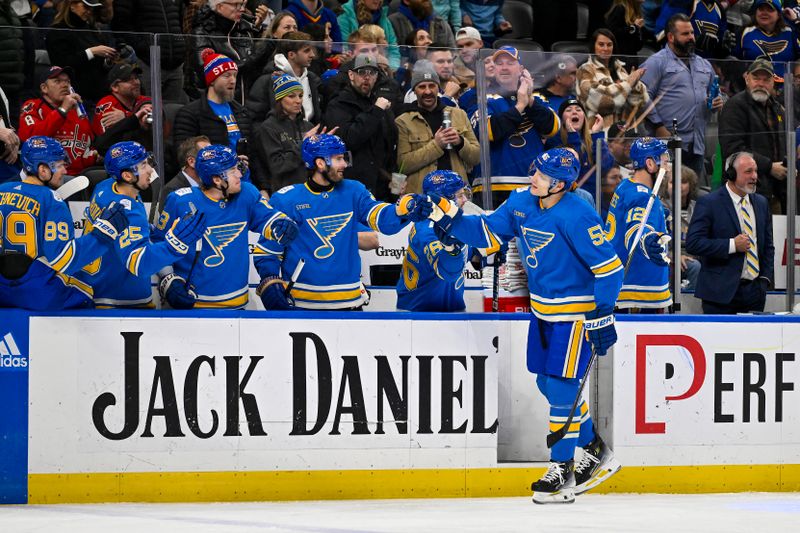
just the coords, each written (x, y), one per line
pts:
(322, 146)
(645, 148)
(40, 150)
(122, 156)
(558, 164)
(445, 183)
(214, 160)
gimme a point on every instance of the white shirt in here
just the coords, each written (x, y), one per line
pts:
(737, 206)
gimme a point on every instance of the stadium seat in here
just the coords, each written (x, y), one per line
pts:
(520, 44)
(583, 21)
(520, 15)
(570, 47)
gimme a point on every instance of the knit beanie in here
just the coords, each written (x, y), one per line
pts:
(568, 102)
(283, 85)
(214, 65)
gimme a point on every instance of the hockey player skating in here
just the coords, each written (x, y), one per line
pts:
(646, 283)
(216, 275)
(432, 278)
(38, 251)
(574, 277)
(121, 278)
(328, 210)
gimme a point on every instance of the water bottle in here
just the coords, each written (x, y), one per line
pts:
(446, 123)
(713, 91)
(79, 109)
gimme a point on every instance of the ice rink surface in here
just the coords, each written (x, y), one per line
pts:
(651, 513)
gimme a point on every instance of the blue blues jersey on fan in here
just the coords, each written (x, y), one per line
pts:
(560, 290)
(328, 242)
(646, 285)
(780, 47)
(121, 277)
(432, 279)
(220, 274)
(708, 19)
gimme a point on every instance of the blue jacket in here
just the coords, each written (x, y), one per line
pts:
(321, 15)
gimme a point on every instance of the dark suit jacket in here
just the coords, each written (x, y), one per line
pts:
(179, 181)
(713, 224)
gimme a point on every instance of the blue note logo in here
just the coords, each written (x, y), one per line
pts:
(327, 228)
(536, 241)
(218, 237)
(10, 356)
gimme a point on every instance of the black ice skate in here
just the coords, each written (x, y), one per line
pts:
(557, 485)
(596, 465)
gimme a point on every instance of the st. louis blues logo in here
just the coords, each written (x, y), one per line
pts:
(327, 228)
(707, 27)
(536, 240)
(771, 48)
(219, 237)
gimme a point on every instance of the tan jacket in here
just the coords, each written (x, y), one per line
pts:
(417, 153)
(602, 96)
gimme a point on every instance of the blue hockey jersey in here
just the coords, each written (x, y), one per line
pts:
(43, 289)
(121, 277)
(571, 267)
(327, 241)
(708, 19)
(780, 47)
(646, 285)
(432, 279)
(219, 276)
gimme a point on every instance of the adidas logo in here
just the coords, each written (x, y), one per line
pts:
(10, 356)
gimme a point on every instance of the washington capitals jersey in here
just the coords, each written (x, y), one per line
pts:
(219, 275)
(646, 285)
(779, 47)
(432, 279)
(327, 241)
(121, 277)
(572, 269)
(36, 222)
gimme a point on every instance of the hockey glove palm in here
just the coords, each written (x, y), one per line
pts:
(656, 249)
(283, 230)
(445, 212)
(415, 207)
(174, 290)
(186, 232)
(599, 326)
(111, 222)
(272, 291)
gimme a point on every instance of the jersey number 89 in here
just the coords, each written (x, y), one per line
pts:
(19, 229)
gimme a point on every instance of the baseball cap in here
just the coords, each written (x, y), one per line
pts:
(419, 76)
(122, 72)
(468, 32)
(508, 50)
(364, 61)
(54, 72)
(776, 4)
(761, 64)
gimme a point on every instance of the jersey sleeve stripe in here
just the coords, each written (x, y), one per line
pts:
(374, 213)
(134, 260)
(608, 268)
(63, 260)
(491, 239)
(267, 231)
(72, 282)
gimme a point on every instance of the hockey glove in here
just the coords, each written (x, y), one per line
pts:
(272, 291)
(729, 40)
(445, 212)
(600, 330)
(283, 230)
(655, 246)
(415, 207)
(451, 244)
(173, 289)
(111, 222)
(186, 232)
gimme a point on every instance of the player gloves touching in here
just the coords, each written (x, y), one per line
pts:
(272, 291)
(283, 230)
(445, 212)
(185, 233)
(415, 207)
(656, 247)
(599, 326)
(110, 223)
(173, 288)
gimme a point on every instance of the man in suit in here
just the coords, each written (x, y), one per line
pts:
(187, 177)
(731, 232)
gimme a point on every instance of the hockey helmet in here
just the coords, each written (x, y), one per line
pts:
(322, 146)
(214, 160)
(40, 150)
(445, 183)
(645, 148)
(124, 156)
(558, 164)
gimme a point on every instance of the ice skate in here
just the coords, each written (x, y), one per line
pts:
(557, 485)
(596, 465)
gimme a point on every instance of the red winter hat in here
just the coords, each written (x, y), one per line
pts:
(214, 65)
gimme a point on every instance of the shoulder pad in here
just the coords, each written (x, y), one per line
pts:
(183, 191)
(126, 203)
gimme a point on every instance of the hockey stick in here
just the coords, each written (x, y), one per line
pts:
(555, 436)
(295, 275)
(496, 281)
(198, 247)
(73, 186)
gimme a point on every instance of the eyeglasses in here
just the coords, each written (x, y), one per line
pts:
(238, 6)
(367, 72)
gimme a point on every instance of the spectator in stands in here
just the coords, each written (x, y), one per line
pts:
(690, 266)
(626, 22)
(769, 35)
(324, 60)
(576, 133)
(217, 115)
(419, 14)
(219, 26)
(358, 12)
(77, 42)
(753, 121)
(378, 35)
(487, 17)
(469, 43)
(282, 24)
(12, 60)
(561, 79)
(736, 15)
(366, 125)
(187, 177)
(714, 40)
(9, 156)
(415, 48)
(605, 87)
(424, 144)
(314, 12)
(620, 139)
(54, 114)
(441, 59)
(468, 101)
(608, 185)
(681, 80)
(450, 11)
(295, 54)
(279, 137)
(123, 115)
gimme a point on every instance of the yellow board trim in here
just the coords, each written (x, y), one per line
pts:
(373, 484)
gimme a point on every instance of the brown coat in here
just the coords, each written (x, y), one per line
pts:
(417, 153)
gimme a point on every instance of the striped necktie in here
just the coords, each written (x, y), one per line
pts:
(751, 256)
